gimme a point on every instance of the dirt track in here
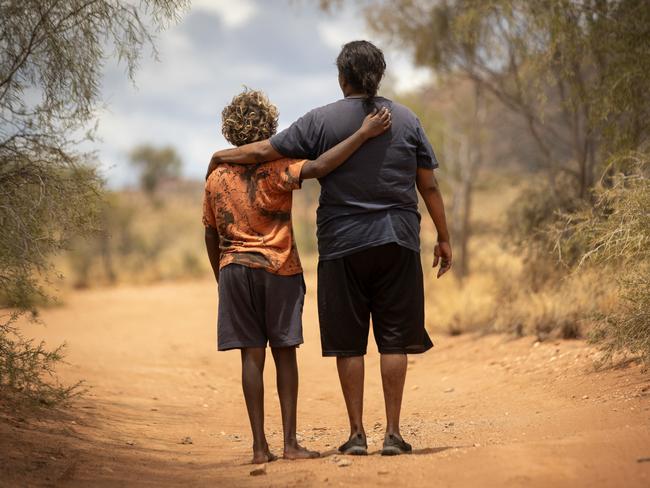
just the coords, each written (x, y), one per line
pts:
(479, 411)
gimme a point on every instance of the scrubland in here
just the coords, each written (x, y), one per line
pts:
(148, 241)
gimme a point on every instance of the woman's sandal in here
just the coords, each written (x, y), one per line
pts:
(355, 446)
(394, 446)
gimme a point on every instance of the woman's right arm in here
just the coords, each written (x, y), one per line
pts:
(253, 153)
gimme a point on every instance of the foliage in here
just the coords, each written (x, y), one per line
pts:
(156, 165)
(614, 235)
(52, 53)
(508, 293)
(574, 71)
(140, 242)
(27, 369)
(616, 229)
(529, 219)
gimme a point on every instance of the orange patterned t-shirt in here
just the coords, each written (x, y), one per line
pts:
(250, 206)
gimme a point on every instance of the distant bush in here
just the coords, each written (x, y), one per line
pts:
(142, 241)
(539, 208)
(156, 165)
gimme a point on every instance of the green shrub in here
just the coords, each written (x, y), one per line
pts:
(50, 68)
(539, 208)
(27, 368)
(615, 236)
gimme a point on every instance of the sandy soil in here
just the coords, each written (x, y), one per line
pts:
(487, 411)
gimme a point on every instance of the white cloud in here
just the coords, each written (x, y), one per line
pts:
(335, 33)
(232, 13)
(406, 76)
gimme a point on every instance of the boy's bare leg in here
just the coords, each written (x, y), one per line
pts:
(252, 360)
(286, 368)
(393, 376)
(351, 375)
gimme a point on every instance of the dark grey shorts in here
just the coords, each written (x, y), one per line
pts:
(256, 307)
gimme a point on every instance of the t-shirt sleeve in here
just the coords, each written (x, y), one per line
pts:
(209, 219)
(299, 140)
(424, 154)
(284, 175)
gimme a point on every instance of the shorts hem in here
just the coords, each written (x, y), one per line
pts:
(344, 354)
(237, 345)
(295, 343)
(404, 350)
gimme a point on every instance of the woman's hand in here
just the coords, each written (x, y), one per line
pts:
(442, 255)
(376, 123)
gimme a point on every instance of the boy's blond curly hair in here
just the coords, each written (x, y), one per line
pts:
(250, 117)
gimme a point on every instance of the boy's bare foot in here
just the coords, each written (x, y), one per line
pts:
(263, 456)
(299, 452)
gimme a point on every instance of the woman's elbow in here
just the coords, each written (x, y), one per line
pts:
(427, 190)
(313, 169)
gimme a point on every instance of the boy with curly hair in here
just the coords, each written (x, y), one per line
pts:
(251, 247)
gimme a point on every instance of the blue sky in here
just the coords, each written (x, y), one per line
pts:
(285, 48)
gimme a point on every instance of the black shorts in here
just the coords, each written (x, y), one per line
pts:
(256, 307)
(384, 282)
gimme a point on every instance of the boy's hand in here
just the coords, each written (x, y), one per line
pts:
(442, 255)
(376, 123)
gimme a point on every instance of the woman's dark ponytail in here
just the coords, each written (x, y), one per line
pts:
(362, 65)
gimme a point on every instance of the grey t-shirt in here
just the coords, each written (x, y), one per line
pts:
(371, 199)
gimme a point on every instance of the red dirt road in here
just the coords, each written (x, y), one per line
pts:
(485, 411)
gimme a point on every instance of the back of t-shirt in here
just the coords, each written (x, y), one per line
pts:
(250, 207)
(371, 199)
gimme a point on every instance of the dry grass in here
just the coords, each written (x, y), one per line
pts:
(142, 242)
(166, 243)
(501, 294)
(614, 235)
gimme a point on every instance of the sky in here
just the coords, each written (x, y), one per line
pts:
(282, 47)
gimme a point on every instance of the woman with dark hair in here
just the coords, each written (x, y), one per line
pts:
(368, 234)
(362, 66)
